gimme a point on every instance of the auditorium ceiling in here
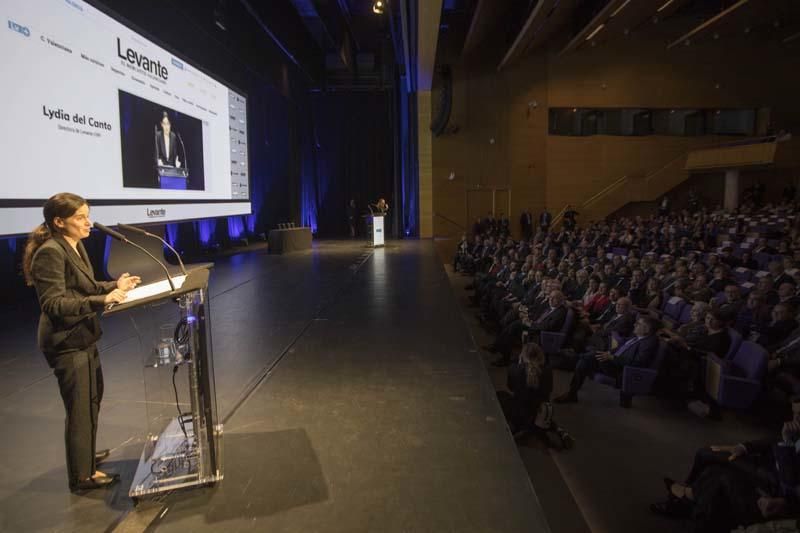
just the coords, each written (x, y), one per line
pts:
(512, 29)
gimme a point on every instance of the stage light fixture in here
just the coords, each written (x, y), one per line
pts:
(378, 6)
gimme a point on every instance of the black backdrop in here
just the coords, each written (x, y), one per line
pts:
(138, 118)
(353, 155)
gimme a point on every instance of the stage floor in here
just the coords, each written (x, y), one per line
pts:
(353, 396)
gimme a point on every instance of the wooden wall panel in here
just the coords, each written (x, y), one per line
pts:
(542, 170)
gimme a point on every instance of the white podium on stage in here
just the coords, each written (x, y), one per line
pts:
(376, 232)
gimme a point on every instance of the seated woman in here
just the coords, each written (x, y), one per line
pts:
(681, 372)
(527, 404)
(653, 296)
(693, 330)
(730, 486)
(598, 303)
(754, 316)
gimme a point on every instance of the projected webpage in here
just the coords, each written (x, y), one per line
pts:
(94, 108)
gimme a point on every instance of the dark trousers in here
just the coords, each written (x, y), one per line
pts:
(703, 458)
(80, 380)
(587, 366)
(509, 337)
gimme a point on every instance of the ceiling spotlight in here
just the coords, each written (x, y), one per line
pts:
(377, 7)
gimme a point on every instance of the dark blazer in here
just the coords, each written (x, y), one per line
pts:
(69, 297)
(622, 324)
(167, 158)
(551, 321)
(638, 354)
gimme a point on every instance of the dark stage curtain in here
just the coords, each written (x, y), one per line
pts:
(350, 155)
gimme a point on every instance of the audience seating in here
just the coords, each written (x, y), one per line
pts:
(737, 382)
(553, 341)
(636, 381)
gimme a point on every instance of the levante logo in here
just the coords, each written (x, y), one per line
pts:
(140, 60)
(156, 213)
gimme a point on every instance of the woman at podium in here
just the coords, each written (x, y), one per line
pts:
(57, 265)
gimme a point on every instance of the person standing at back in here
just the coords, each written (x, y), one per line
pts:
(544, 220)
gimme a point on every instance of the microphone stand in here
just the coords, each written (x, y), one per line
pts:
(120, 237)
(155, 143)
(140, 231)
(185, 161)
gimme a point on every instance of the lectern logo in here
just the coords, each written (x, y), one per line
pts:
(156, 213)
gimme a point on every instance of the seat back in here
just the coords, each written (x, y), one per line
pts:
(762, 259)
(566, 328)
(742, 274)
(736, 343)
(674, 306)
(751, 360)
(686, 315)
(660, 355)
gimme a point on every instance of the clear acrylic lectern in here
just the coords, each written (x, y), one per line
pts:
(183, 447)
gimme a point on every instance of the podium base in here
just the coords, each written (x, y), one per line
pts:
(173, 463)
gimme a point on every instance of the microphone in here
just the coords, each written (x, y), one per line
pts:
(120, 237)
(110, 232)
(140, 231)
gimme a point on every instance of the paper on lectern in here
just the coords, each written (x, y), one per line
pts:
(151, 289)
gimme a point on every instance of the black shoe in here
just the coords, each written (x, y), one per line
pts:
(503, 361)
(94, 483)
(567, 439)
(102, 455)
(567, 397)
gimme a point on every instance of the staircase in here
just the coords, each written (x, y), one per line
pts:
(651, 186)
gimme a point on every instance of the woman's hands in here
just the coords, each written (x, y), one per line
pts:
(127, 282)
(117, 296)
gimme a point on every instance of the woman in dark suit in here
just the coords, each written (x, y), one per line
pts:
(57, 265)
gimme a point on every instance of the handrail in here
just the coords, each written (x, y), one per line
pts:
(450, 220)
(560, 214)
(744, 142)
(604, 191)
(650, 176)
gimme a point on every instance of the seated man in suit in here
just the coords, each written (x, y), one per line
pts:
(621, 322)
(771, 336)
(550, 319)
(639, 351)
